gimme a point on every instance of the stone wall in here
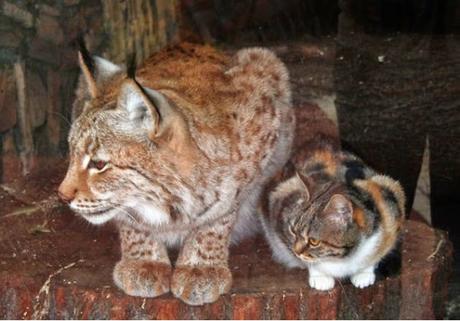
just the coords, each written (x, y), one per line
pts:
(38, 65)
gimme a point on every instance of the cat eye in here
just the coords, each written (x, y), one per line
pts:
(313, 242)
(97, 164)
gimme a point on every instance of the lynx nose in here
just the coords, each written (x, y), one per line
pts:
(66, 194)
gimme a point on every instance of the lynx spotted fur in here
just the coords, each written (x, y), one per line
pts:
(178, 156)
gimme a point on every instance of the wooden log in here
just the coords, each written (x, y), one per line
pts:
(53, 265)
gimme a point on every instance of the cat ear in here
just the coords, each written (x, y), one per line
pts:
(95, 70)
(339, 209)
(304, 182)
(145, 107)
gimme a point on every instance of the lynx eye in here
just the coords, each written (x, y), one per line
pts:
(97, 164)
(314, 242)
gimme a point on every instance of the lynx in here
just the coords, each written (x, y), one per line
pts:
(176, 155)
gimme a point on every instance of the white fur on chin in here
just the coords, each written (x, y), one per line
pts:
(100, 219)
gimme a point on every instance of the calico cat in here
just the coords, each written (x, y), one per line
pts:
(332, 214)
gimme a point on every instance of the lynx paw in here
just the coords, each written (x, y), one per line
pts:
(142, 278)
(363, 279)
(197, 285)
(321, 282)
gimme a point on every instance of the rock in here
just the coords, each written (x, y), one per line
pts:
(17, 13)
(8, 99)
(8, 56)
(54, 116)
(37, 98)
(48, 10)
(48, 28)
(25, 139)
(71, 2)
(10, 39)
(45, 51)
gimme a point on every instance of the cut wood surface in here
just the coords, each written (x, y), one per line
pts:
(54, 265)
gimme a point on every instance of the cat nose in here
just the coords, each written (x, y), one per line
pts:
(299, 246)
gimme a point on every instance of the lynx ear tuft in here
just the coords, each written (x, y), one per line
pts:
(131, 66)
(84, 56)
(95, 69)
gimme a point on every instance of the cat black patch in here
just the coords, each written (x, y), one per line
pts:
(390, 197)
(321, 177)
(347, 250)
(367, 202)
(354, 170)
(318, 167)
(370, 205)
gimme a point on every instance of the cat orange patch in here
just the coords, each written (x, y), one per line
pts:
(328, 160)
(389, 224)
(360, 218)
(374, 190)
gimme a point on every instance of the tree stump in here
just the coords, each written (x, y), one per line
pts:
(53, 265)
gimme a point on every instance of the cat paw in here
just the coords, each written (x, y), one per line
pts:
(321, 282)
(142, 278)
(197, 285)
(363, 279)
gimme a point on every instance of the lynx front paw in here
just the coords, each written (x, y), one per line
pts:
(321, 282)
(363, 279)
(197, 285)
(142, 278)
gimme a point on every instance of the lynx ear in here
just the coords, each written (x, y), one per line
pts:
(146, 108)
(95, 70)
(339, 209)
(304, 182)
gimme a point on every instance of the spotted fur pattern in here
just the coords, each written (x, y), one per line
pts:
(177, 157)
(332, 214)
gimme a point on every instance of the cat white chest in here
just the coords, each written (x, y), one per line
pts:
(360, 259)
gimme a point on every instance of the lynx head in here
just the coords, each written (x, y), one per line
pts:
(125, 140)
(314, 220)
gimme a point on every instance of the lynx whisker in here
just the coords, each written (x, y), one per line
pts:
(125, 210)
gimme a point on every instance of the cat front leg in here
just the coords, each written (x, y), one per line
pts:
(144, 269)
(201, 274)
(320, 281)
(363, 278)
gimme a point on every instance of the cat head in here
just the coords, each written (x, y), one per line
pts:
(315, 220)
(121, 145)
